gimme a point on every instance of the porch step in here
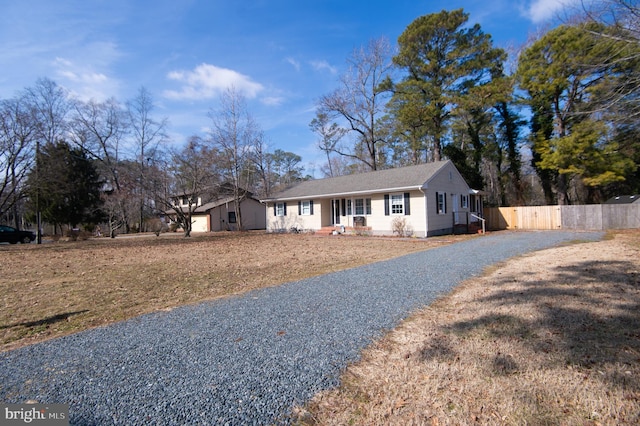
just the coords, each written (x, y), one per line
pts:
(325, 230)
(328, 230)
(472, 228)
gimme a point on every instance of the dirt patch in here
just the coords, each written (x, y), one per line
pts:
(547, 338)
(59, 288)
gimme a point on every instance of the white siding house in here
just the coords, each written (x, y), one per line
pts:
(220, 215)
(431, 198)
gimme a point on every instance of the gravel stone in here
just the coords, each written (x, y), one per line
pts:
(246, 359)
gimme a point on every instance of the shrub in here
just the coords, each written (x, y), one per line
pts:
(76, 234)
(156, 226)
(362, 232)
(401, 227)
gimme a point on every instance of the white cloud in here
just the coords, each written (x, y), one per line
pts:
(324, 65)
(206, 81)
(83, 81)
(294, 63)
(272, 100)
(544, 10)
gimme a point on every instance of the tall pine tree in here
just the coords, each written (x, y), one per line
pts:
(447, 63)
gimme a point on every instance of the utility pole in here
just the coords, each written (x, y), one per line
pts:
(38, 219)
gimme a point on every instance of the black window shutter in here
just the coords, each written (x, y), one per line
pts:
(344, 207)
(311, 207)
(386, 204)
(407, 203)
(285, 209)
(299, 208)
(444, 197)
(275, 209)
(437, 202)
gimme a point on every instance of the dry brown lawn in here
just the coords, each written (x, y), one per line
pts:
(550, 338)
(59, 288)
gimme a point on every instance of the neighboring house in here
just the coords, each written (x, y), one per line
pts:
(183, 201)
(432, 198)
(220, 215)
(624, 199)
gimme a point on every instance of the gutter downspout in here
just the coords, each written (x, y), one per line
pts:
(426, 213)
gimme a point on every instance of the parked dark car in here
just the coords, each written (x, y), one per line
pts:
(13, 235)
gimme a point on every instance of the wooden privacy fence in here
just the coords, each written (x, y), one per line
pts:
(597, 217)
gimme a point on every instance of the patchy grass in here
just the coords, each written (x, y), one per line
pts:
(550, 338)
(59, 288)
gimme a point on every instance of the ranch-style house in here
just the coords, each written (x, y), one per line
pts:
(428, 199)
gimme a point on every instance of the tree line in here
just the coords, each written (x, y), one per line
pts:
(75, 162)
(559, 126)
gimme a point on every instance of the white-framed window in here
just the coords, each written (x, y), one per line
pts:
(360, 206)
(442, 202)
(464, 201)
(397, 204)
(280, 209)
(394, 204)
(305, 208)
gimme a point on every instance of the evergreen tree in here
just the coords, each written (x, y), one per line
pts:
(447, 63)
(67, 185)
(564, 73)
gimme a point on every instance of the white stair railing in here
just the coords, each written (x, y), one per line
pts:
(482, 220)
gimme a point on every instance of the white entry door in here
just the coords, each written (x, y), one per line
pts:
(456, 208)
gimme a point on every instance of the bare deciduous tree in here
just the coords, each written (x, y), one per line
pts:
(617, 24)
(263, 163)
(330, 136)
(622, 14)
(18, 132)
(235, 134)
(360, 101)
(148, 136)
(51, 105)
(99, 129)
(192, 171)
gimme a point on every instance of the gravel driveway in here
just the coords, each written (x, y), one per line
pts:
(248, 359)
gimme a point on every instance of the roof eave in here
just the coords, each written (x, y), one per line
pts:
(343, 194)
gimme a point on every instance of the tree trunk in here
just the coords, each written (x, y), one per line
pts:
(562, 190)
(437, 149)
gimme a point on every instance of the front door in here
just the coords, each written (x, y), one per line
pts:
(456, 208)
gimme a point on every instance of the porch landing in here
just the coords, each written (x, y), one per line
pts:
(328, 230)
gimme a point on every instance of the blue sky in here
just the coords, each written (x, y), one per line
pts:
(281, 54)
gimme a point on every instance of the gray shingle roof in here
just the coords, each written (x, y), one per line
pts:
(410, 177)
(209, 206)
(624, 199)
